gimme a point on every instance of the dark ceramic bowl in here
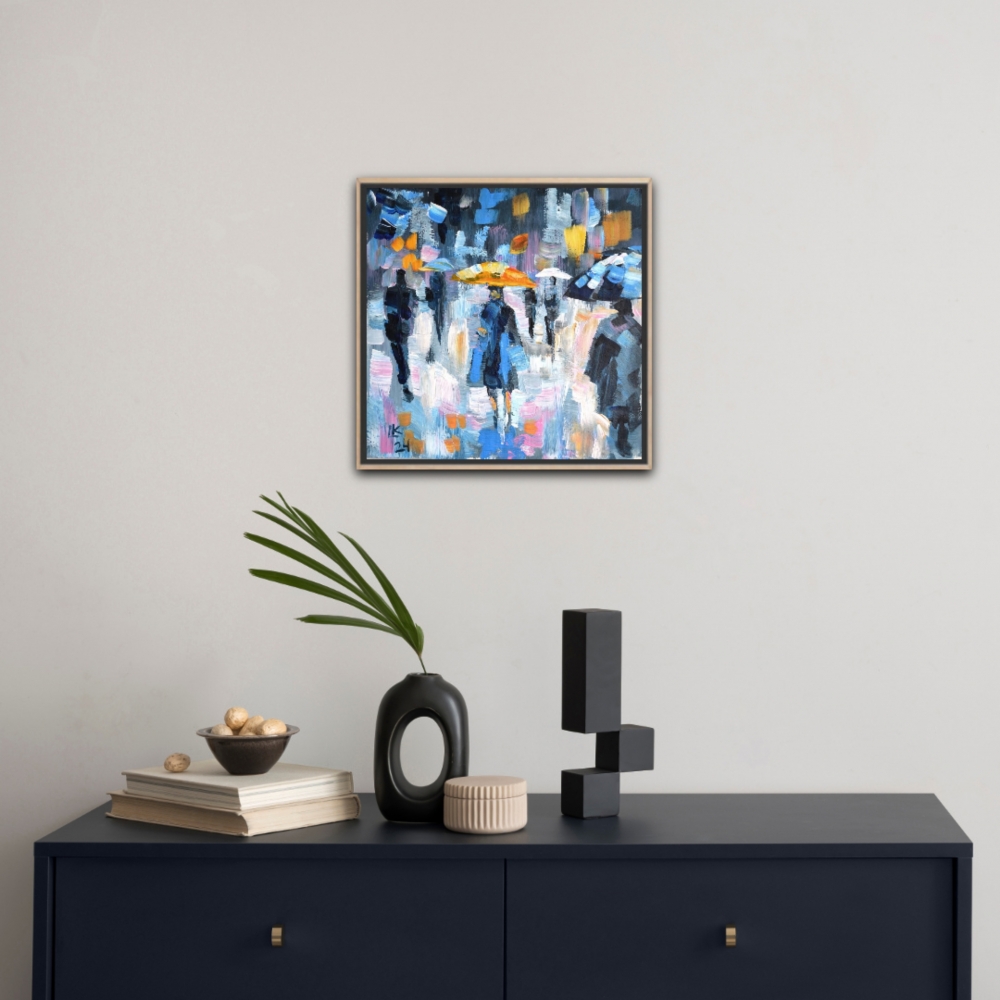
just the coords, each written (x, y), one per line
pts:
(247, 754)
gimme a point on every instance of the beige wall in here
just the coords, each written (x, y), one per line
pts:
(809, 576)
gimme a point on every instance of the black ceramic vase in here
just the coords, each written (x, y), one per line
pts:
(414, 696)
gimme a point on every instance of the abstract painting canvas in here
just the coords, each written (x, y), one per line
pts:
(504, 324)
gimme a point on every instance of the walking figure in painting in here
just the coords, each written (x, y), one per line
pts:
(436, 298)
(492, 363)
(400, 305)
(530, 308)
(551, 312)
(615, 368)
(498, 353)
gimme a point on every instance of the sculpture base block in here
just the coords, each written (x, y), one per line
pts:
(589, 792)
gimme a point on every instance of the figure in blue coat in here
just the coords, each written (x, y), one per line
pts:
(493, 359)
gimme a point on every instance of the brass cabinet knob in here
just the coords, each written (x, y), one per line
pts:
(277, 936)
(730, 935)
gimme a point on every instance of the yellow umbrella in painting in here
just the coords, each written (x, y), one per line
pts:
(494, 273)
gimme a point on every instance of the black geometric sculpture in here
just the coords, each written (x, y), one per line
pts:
(592, 703)
(630, 749)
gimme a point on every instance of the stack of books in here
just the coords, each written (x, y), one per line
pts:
(206, 797)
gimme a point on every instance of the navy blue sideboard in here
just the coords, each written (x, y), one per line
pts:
(694, 897)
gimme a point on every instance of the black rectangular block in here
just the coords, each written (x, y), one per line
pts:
(591, 670)
(628, 749)
(589, 792)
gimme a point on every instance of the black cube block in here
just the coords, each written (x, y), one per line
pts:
(591, 670)
(628, 749)
(589, 792)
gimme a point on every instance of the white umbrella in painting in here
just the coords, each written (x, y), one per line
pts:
(553, 272)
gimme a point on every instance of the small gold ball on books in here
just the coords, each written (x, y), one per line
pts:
(177, 762)
(236, 718)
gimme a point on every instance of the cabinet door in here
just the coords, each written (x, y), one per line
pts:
(805, 930)
(164, 930)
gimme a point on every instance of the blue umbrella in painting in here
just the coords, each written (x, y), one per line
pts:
(617, 276)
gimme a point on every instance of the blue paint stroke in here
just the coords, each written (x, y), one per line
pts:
(490, 199)
(593, 216)
(492, 445)
(395, 217)
(489, 442)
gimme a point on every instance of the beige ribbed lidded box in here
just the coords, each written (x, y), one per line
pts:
(487, 803)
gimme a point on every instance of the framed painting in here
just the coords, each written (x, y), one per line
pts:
(504, 323)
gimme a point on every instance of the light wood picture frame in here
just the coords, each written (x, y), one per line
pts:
(504, 323)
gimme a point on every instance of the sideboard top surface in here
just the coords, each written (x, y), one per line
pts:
(649, 826)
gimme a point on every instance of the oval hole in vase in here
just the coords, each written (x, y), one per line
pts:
(421, 751)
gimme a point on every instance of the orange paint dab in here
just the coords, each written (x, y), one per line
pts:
(411, 242)
(397, 244)
(617, 227)
(452, 444)
(417, 446)
(530, 427)
(519, 243)
(461, 420)
(451, 419)
(411, 262)
(404, 419)
(521, 204)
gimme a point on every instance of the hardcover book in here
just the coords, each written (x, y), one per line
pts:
(240, 823)
(206, 783)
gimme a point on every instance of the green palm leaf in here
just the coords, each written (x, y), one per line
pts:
(302, 583)
(319, 538)
(390, 614)
(314, 564)
(286, 508)
(291, 528)
(394, 599)
(361, 586)
(340, 620)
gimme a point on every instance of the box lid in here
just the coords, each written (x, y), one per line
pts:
(485, 786)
